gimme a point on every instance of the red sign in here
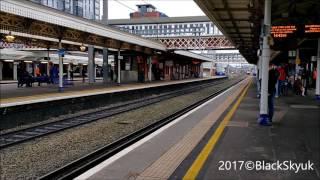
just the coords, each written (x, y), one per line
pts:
(314, 28)
(282, 31)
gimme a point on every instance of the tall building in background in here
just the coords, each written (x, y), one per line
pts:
(147, 10)
(89, 9)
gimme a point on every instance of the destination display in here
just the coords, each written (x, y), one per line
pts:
(287, 31)
(315, 28)
(283, 31)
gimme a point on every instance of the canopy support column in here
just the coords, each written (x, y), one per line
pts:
(264, 118)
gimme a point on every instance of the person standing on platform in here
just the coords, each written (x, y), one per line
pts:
(38, 74)
(51, 73)
(282, 80)
(314, 77)
(111, 73)
(83, 73)
(71, 74)
(304, 76)
(20, 77)
(273, 78)
(37, 71)
(55, 73)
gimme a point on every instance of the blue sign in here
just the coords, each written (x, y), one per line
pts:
(61, 52)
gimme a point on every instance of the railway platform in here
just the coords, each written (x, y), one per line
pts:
(211, 142)
(13, 96)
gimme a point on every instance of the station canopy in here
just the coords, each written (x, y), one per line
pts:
(295, 24)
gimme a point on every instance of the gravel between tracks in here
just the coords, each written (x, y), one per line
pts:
(34, 158)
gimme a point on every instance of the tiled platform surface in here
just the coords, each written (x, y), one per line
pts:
(159, 154)
(295, 136)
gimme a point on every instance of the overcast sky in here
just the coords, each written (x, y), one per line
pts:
(120, 9)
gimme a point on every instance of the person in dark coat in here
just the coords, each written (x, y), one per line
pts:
(83, 73)
(20, 77)
(273, 77)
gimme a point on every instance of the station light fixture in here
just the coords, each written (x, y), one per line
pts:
(10, 38)
(44, 62)
(27, 61)
(82, 48)
(8, 60)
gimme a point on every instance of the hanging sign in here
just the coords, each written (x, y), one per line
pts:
(315, 28)
(283, 31)
(61, 52)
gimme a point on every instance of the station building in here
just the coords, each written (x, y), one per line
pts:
(89, 9)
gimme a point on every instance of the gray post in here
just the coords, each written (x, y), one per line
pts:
(91, 64)
(48, 69)
(15, 70)
(264, 118)
(105, 11)
(105, 66)
(1, 67)
(69, 69)
(28, 69)
(150, 68)
(119, 69)
(201, 70)
(60, 68)
(318, 72)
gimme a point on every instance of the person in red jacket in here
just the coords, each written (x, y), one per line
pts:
(314, 77)
(282, 80)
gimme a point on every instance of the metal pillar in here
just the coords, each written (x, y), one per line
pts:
(258, 72)
(48, 69)
(264, 118)
(60, 68)
(69, 69)
(28, 68)
(105, 11)
(228, 68)
(15, 70)
(105, 66)
(95, 72)
(91, 64)
(150, 68)
(119, 69)
(1, 72)
(318, 72)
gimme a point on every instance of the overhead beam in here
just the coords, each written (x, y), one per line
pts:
(229, 19)
(231, 9)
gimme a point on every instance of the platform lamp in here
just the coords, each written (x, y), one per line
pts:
(10, 38)
(82, 48)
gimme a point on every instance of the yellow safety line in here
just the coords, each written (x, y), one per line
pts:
(195, 168)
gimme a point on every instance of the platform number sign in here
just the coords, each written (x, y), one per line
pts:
(61, 52)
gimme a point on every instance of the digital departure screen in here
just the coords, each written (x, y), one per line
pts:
(314, 28)
(283, 31)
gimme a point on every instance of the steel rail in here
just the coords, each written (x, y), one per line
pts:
(87, 162)
(19, 136)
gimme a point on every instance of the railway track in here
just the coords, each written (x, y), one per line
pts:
(16, 137)
(87, 162)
